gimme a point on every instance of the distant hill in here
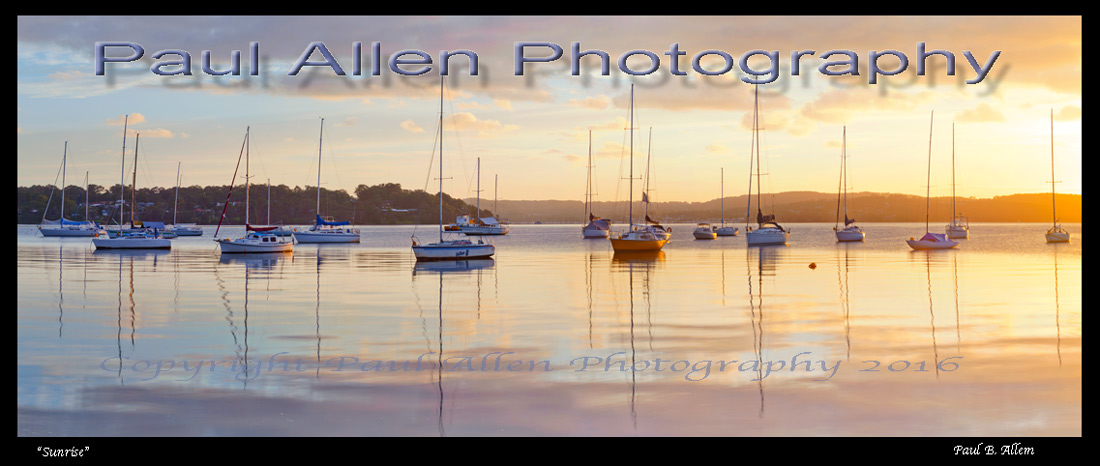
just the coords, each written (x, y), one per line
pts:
(807, 206)
(389, 203)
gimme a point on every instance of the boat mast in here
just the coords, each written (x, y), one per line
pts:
(441, 158)
(844, 171)
(64, 155)
(319, 141)
(175, 203)
(748, 205)
(122, 178)
(248, 145)
(631, 209)
(648, 156)
(477, 203)
(87, 197)
(1053, 212)
(756, 142)
(722, 195)
(496, 177)
(588, 185)
(954, 213)
(928, 183)
(133, 188)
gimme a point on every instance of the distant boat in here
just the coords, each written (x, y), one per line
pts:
(63, 227)
(136, 239)
(463, 249)
(767, 230)
(324, 229)
(724, 230)
(850, 232)
(704, 231)
(637, 238)
(477, 226)
(930, 240)
(1055, 234)
(181, 229)
(597, 227)
(255, 240)
(960, 225)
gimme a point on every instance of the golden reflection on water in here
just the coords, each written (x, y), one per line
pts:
(555, 336)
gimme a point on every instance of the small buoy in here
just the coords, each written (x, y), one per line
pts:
(813, 265)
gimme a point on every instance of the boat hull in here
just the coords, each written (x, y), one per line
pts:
(69, 232)
(334, 236)
(186, 231)
(1059, 237)
(483, 230)
(766, 237)
(921, 245)
(453, 251)
(957, 232)
(233, 247)
(704, 234)
(594, 233)
(634, 245)
(131, 243)
(726, 231)
(846, 235)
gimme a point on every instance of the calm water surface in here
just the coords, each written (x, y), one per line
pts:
(555, 336)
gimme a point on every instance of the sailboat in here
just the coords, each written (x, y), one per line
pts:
(63, 227)
(930, 240)
(325, 230)
(767, 230)
(184, 229)
(255, 240)
(850, 232)
(597, 227)
(1055, 234)
(462, 249)
(960, 225)
(133, 239)
(637, 239)
(724, 230)
(704, 231)
(478, 226)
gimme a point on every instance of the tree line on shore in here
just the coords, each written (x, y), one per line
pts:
(390, 204)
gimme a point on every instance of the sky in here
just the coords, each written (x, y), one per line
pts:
(527, 116)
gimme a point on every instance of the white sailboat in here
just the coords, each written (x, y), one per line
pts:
(462, 249)
(476, 225)
(181, 229)
(850, 232)
(597, 227)
(63, 227)
(723, 230)
(930, 240)
(325, 230)
(704, 231)
(960, 225)
(1055, 234)
(255, 240)
(767, 231)
(136, 239)
(637, 238)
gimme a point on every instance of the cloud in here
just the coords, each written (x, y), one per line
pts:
(411, 127)
(465, 121)
(131, 119)
(982, 113)
(1068, 113)
(599, 102)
